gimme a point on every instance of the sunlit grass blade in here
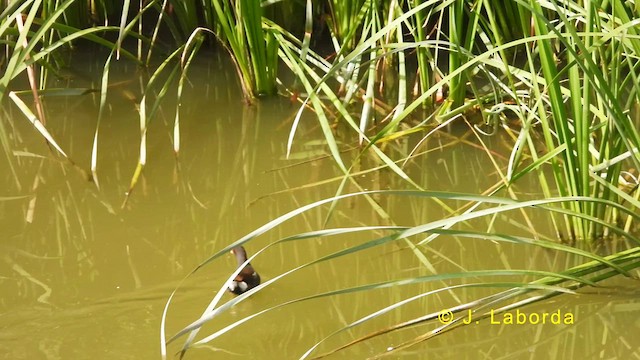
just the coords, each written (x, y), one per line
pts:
(428, 317)
(629, 264)
(123, 22)
(189, 52)
(36, 123)
(213, 309)
(145, 115)
(103, 100)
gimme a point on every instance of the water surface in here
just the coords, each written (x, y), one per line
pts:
(84, 276)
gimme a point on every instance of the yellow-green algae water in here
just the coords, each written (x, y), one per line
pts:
(84, 277)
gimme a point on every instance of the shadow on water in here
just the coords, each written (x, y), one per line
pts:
(82, 277)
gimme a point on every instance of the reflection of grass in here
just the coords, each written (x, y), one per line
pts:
(576, 101)
(521, 291)
(567, 73)
(491, 306)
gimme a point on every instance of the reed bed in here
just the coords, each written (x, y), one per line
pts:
(558, 78)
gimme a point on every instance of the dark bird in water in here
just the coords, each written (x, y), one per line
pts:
(248, 278)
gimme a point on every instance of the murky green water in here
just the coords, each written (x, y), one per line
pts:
(83, 277)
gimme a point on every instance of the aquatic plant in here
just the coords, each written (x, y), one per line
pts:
(520, 289)
(560, 79)
(581, 104)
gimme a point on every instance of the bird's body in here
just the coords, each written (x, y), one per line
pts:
(248, 278)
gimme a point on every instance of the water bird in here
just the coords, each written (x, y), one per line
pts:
(248, 278)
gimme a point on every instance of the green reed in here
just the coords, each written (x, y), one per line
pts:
(425, 60)
(596, 126)
(567, 71)
(252, 47)
(531, 286)
(346, 19)
(580, 103)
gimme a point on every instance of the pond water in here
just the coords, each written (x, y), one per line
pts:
(85, 275)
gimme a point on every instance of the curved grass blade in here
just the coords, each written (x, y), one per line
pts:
(145, 118)
(581, 270)
(457, 323)
(429, 317)
(507, 204)
(190, 49)
(381, 285)
(123, 22)
(36, 123)
(103, 100)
